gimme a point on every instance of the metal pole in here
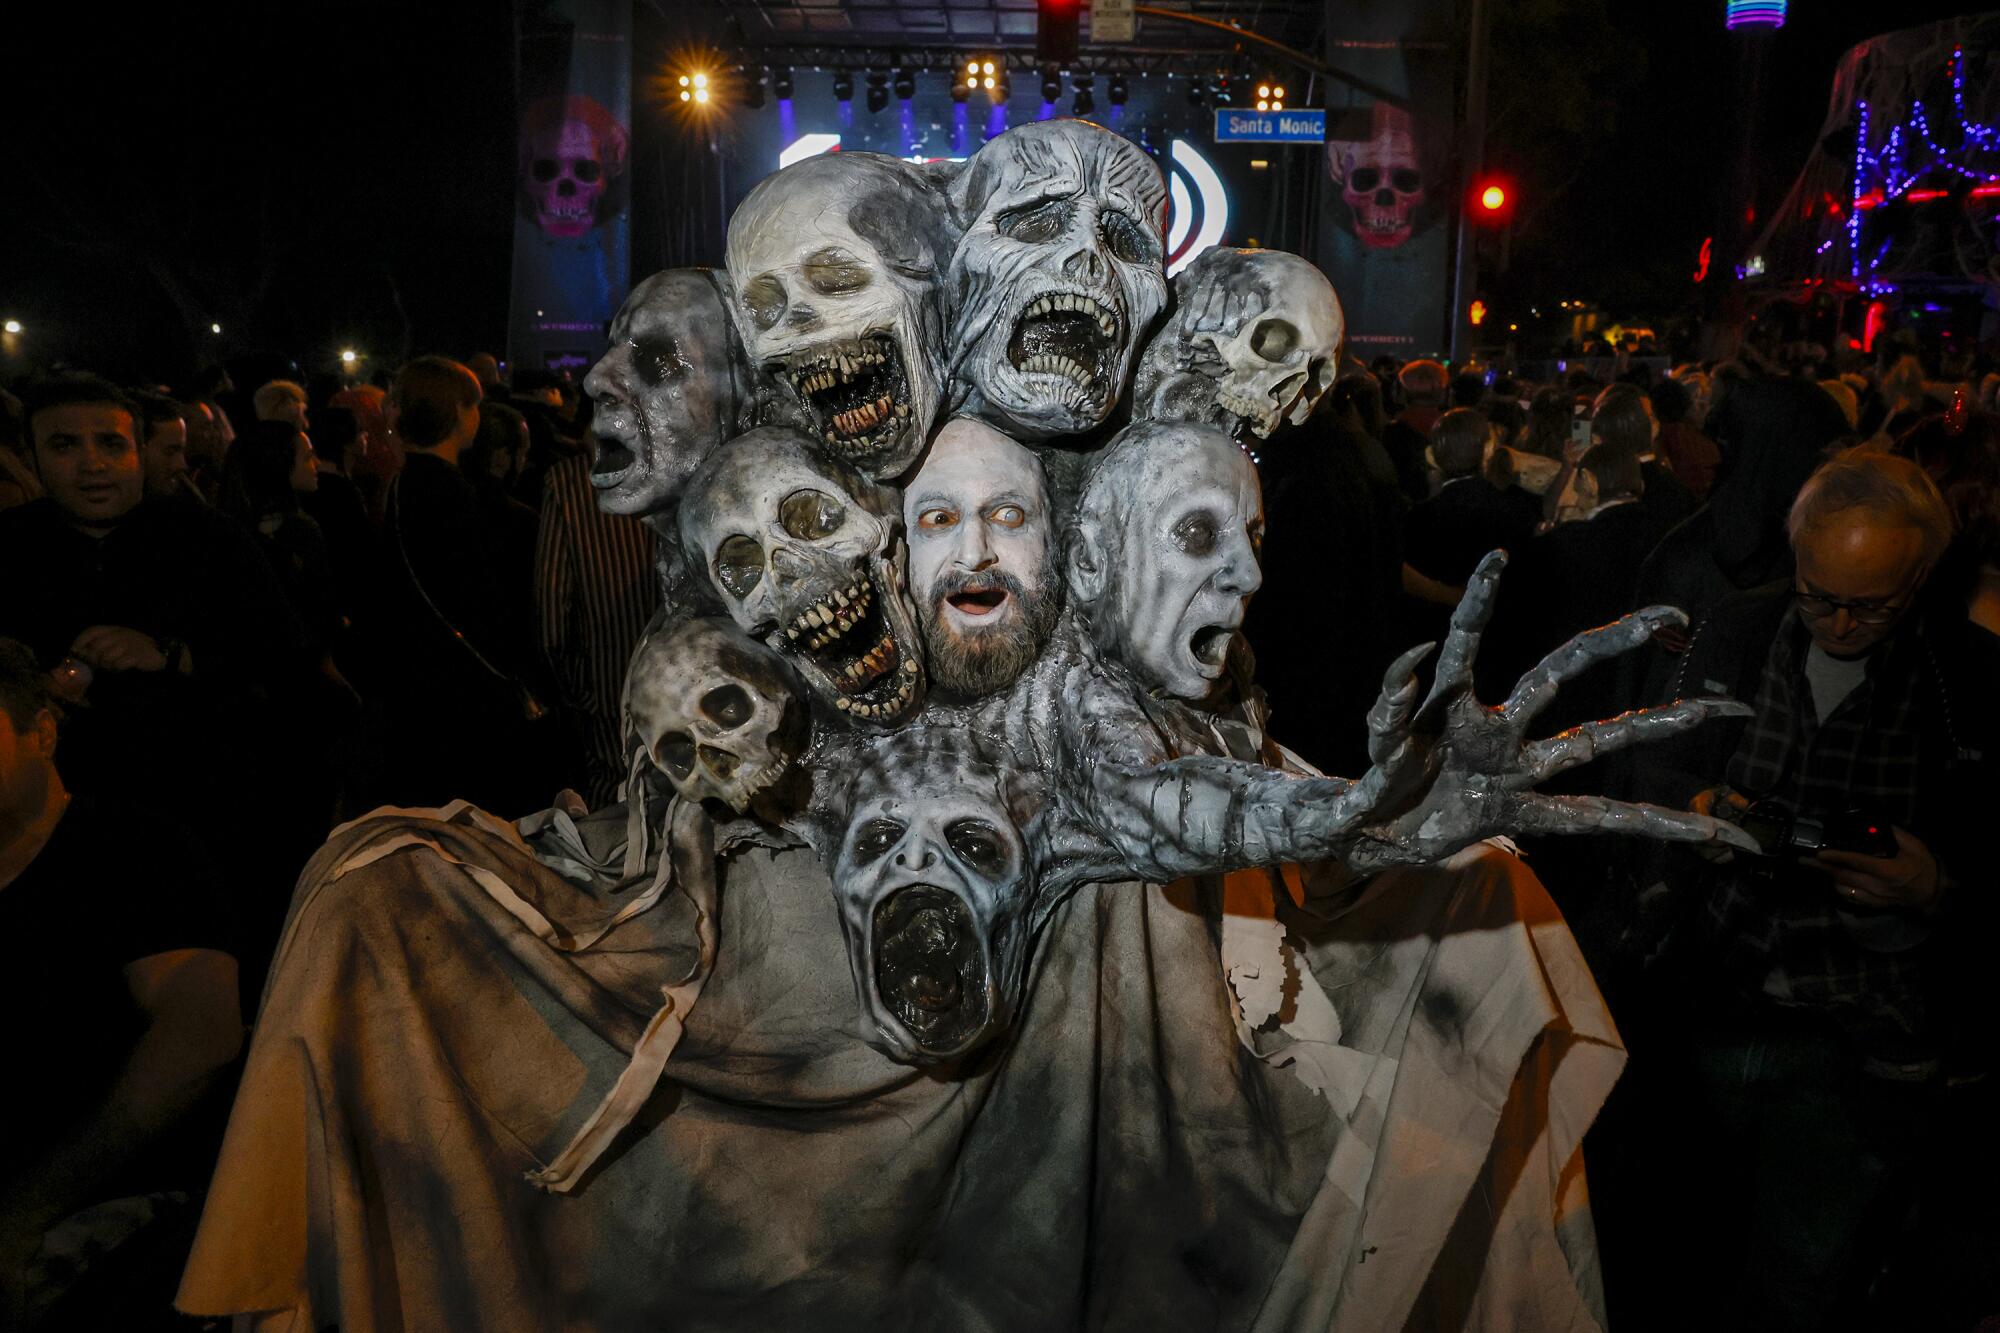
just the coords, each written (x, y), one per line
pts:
(1472, 156)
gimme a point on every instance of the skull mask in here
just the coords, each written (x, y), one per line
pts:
(1058, 276)
(1163, 553)
(719, 713)
(834, 260)
(669, 391)
(1381, 179)
(1253, 341)
(808, 553)
(936, 892)
(572, 155)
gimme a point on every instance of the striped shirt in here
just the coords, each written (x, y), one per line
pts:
(595, 590)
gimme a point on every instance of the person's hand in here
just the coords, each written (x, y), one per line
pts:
(116, 648)
(1907, 880)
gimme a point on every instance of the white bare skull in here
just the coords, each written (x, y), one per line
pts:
(1381, 180)
(1253, 342)
(834, 261)
(808, 553)
(716, 711)
(1057, 279)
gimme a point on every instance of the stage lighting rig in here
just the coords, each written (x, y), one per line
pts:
(1117, 91)
(1051, 84)
(1085, 100)
(843, 85)
(753, 86)
(781, 85)
(905, 82)
(878, 89)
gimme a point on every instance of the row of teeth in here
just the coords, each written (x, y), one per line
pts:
(1057, 302)
(1054, 363)
(857, 420)
(891, 706)
(1247, 408)
(833, 615)
(815, 370)
(874, 662)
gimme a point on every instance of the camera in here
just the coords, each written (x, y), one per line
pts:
(1781, 831)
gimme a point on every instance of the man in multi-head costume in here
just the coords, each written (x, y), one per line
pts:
(886, 745)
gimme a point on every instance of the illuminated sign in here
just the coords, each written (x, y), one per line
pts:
(1186, 237)
(1303, 126)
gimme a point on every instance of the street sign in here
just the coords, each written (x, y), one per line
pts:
(1307, 125)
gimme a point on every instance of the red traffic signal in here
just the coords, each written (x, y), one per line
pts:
(1492, 200)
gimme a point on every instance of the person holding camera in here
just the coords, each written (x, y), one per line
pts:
(1819, 991)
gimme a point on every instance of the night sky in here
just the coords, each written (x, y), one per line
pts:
(315, 176)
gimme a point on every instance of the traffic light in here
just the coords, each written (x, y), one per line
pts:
(1492, 201)
(1056, 31)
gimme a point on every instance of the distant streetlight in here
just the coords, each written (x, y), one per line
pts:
(347, 356)
(12, 326)
(215, 328)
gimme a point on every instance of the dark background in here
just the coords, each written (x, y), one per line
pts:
(318, 176)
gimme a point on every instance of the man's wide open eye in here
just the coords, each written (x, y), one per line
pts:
(1197, 533)
(876, 837)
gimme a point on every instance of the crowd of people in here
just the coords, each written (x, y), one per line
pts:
(235, 618)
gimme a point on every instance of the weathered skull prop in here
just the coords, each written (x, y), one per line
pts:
(1253, 342)
(1058, 276)
(1162, 553)
(1381, 179)
(670, 390)
(716, 711)
(835, 262)
(808, 553)
(936, 889)
(572, 169)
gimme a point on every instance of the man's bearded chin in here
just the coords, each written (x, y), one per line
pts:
(972, 662)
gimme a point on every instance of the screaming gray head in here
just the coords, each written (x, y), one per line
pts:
(835, 263)
(808, 554)
(1058, 276)
(1253, 342)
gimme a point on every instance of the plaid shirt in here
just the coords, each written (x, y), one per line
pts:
(1884, 748)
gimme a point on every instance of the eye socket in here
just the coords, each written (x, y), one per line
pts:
(937, 520)
(586, 170)
(543, 170)
(739, 564)
(675, 753)
(1406, 180)
(1274, 339)
(728, 706)
(1364, 179)
(876, 837)
(655, 358)
(835, 273)
(977, 843)
(1037, 223)
(766, 299)
(1197, 533)
(1007, 516)
(811, 515)
(1124, 237)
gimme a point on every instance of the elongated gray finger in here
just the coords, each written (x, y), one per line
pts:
(1535, 813)
(1579, 745)
(1581, 652)
(1389, 717)
(1468, 622)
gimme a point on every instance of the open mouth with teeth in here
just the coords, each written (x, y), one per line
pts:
(1071, 339)
(930, 968)
(859, 395)
(1210, 647)
(847, 643)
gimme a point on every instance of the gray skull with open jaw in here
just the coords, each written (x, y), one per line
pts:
(716, 711)
(1162, 553)
(807, 553)
(834, 261)
(1057, 278)
(670, 389)
(935, 886)
(1253, 342)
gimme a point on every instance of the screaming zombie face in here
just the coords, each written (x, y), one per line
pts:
(982, 564)
(1163, 554)
(1252, 342)
(1058, 277)
(834, 260)
(935, 892)
(719, 713)
(805, 552)
(667, 393)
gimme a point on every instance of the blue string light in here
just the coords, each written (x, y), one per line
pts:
(1755, 14)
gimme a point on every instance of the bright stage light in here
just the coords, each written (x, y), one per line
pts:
(701, 95)
(215, 328)
(347, 356)
(12, 326)
(701, 80)
(684, 80)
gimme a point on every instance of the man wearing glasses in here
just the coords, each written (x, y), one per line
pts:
(1814, 995)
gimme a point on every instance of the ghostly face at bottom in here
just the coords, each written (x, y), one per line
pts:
(934, 890)
(664, 393)
(981, 565)
(1164, 558)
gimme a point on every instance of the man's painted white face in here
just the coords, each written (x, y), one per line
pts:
(977, 518)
